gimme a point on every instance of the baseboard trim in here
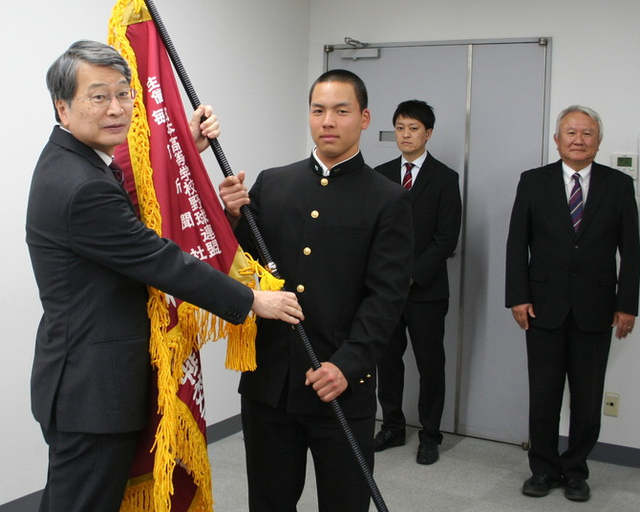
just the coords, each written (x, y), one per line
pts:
(610, 453)
(29, 503)
(224, 428)
(215, 432)
(603, 452)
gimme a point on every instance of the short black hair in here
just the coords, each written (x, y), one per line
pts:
(416, 109)
(342, 75)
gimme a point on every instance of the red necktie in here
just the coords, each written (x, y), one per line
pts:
(406, 181)
(117, 172)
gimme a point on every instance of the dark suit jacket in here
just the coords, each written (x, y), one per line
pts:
(344, 245)
(558, 270)
(436, 206)
(92, 257)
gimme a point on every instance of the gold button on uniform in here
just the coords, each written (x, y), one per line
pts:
(306, 251)
(324, 182)
(315, 214)
(362, 381)
(300, 288)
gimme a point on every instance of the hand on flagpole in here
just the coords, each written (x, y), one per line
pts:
(201, 130)
(234, 195)
(277, 306)
(328, 381)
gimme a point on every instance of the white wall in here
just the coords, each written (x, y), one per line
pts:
(254, 61)
(595, 62)
(248, 58)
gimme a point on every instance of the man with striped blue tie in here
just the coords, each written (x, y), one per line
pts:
(569, 222)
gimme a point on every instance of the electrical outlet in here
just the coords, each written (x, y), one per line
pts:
(611, 404)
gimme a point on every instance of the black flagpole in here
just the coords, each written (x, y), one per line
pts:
(265, 255)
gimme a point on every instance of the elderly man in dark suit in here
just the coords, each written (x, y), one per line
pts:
(339, 234)
(570, 219)
(92, 258)
(436, 207)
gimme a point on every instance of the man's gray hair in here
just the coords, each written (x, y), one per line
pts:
(62, 75)
(585, 110)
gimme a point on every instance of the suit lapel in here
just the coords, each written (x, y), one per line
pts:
(597, 184)
(424, 177)
(392, 170)
(68, 141)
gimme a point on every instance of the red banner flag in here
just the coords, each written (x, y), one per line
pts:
(175, 197)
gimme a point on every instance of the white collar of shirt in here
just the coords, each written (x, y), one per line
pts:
(325, 169)
(417, 164)
(585, 179)
(103, 156)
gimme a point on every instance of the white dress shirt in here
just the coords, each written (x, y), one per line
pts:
(585, 178)
(417, 164)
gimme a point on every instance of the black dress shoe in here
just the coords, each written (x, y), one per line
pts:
(540, 485)
(576, 489)
(388, 439)
(427, 452)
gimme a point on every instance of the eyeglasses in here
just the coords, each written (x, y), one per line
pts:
(124, 97)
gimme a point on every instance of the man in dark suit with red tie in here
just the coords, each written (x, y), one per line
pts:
(93, 259)
(570, 220)
(436, 210)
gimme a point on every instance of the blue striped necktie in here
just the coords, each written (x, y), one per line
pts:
(576, 203)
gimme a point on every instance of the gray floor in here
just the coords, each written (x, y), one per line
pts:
(471, 475)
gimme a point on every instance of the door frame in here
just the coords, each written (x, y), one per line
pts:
(356, 50)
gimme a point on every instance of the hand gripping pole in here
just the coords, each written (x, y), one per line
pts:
(265, 255)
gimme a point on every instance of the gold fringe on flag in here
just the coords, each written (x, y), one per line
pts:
(178, 437)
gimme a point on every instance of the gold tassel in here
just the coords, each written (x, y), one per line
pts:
(178, 437)
(138, 496)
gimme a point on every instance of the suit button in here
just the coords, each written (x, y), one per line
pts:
(300, 288)
(324, 182)
(575, 246)
(306, 251)
(315, 214)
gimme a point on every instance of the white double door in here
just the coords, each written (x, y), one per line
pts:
(491, 111)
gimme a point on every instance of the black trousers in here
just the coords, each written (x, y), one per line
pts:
(87, 472)
(276, 445)
(556, 355)
(425, 323)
